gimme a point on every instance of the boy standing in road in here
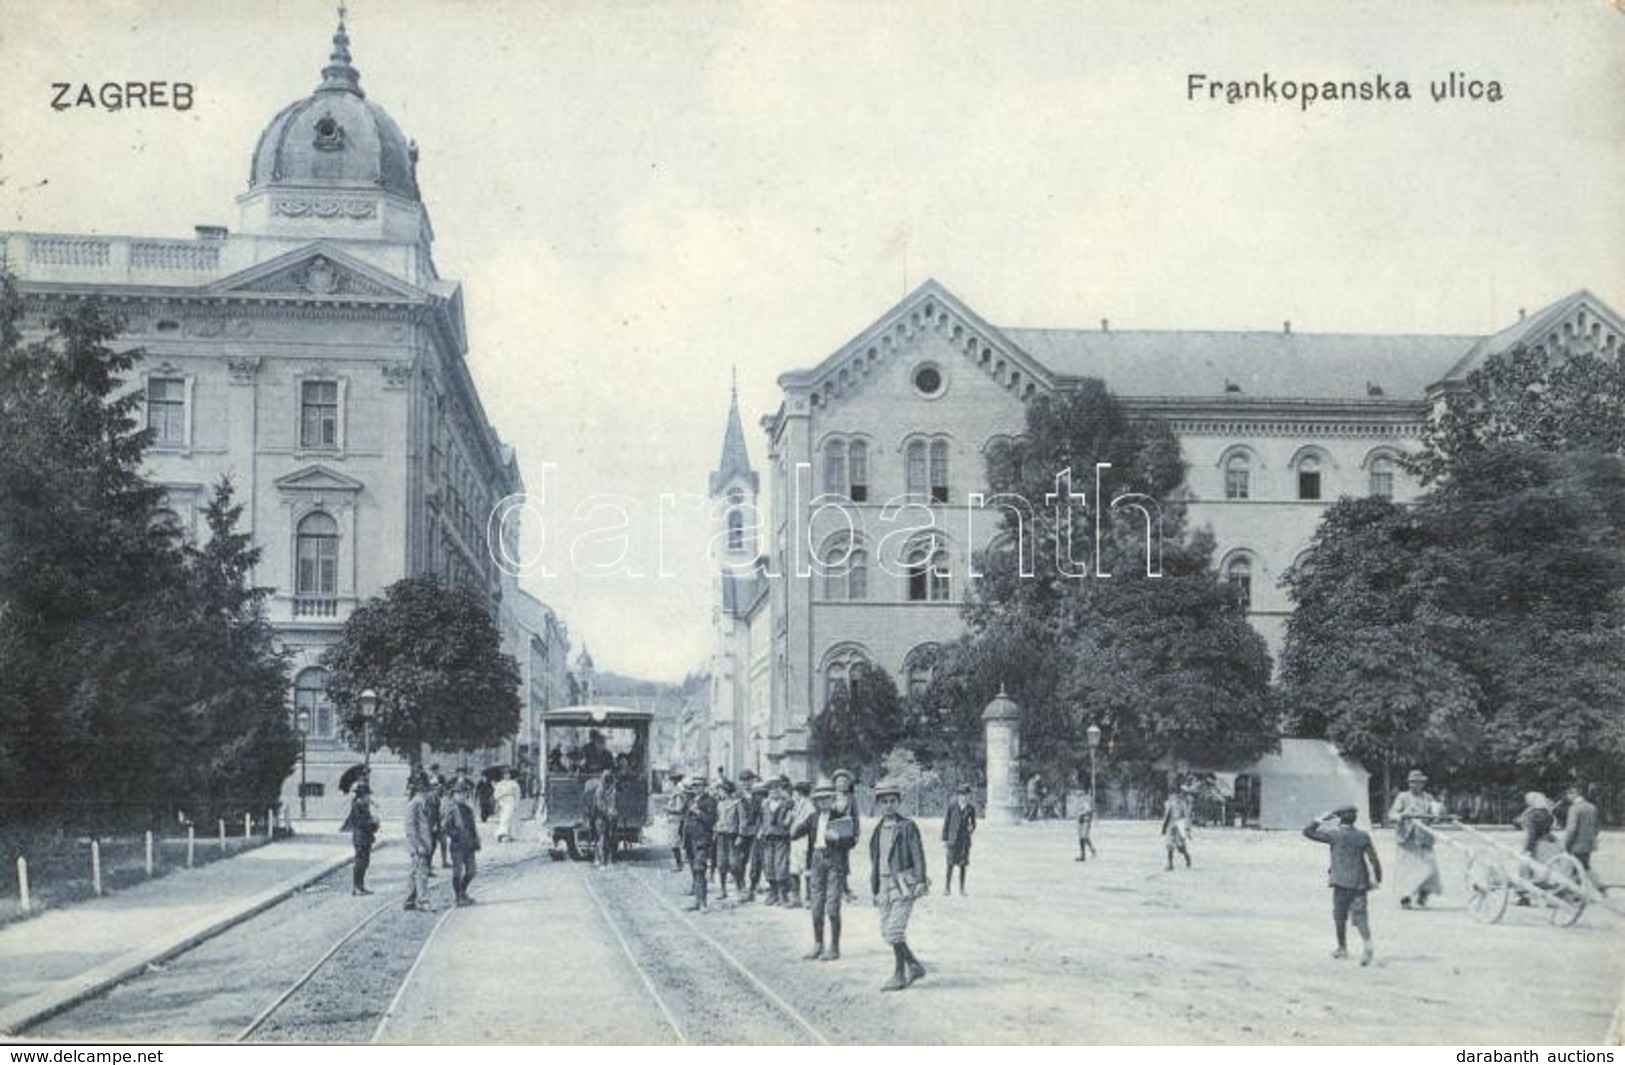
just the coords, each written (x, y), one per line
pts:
(1349, 878)
(957, 825)
(897, 876)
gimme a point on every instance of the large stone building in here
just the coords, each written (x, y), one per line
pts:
(1274, 427)
(317, 357)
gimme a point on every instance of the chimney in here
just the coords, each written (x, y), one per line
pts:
(1286, 327)
(1105, 325)
(211, 233)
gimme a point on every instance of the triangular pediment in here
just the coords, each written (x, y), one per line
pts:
(318, 271)
(318, 478)
(929, 311)
(1579, 323)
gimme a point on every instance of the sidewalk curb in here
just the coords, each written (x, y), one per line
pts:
(68, 993)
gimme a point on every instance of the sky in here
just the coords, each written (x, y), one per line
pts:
(644, 198)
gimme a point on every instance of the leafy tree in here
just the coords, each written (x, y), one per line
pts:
(862, 721)
(433, 655)
(1138, 636)
(1553, 401)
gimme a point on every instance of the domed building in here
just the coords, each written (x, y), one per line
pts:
(317, 357)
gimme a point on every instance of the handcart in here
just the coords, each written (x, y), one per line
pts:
(1497, 872)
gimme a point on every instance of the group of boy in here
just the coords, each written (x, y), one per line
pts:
(438, 816)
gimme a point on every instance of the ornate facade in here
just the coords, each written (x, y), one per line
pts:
(317, 357)
(876, 458)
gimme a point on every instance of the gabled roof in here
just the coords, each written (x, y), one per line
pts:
(1545, 326)
(318, 270)
(319, 478)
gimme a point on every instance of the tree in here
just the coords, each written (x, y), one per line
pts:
(433, 655)
(1559, 401)
(1137, 635)
(861, 721)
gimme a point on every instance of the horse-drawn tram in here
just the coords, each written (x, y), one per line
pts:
(582, 744)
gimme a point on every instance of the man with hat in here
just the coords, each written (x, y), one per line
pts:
(897, 876)
(362, 824)
(1536, 820)
(462, 838)
(676, 804)
(748, 862)
(1580, 832)
(777, 814)
(830, 839)
(1349, 878)
(727, 835)
(957, 825)
(699, 822)
(1416, 870)
(419, 841)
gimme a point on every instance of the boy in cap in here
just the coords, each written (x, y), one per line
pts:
(957, 825)
(727, 835)
(830, 838)
(776, 825)
(699, 822)
(676, 803)
(748, 864)
(897, 877)
(1348, 876)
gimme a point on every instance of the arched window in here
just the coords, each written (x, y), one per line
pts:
(841, 668)
(1238, 477)
(926, 562)
(835, 467)
(736, 520)
(317, 554)
(1382, 477)
(939, 471)
(310, 697)
(1238, 574)
(919, 668)
(926, 469)
(846, 570)
(858, 471)
(917, 470)
(1309, 477)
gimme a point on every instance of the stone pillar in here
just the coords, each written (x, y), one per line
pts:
(1002, 719)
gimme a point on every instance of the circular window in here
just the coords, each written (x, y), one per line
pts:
(326, 127)
(928, 379)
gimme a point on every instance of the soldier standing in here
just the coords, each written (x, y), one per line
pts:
(897, 876)
(419, 842)
(699, 822)
(462, 839)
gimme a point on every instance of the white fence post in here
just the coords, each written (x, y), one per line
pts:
(248, 826)
(96, 866)
(191, 844)
(149, 852)
(22, 883)
(270, 824)
(222, 824)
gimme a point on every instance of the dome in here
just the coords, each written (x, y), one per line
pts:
(336, 137)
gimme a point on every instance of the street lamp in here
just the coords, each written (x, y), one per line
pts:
(1093, 732)
(304, 750)
(369, 706)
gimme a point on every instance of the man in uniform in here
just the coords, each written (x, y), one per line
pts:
(462, 838)
(419, 842)
(957, 825)
(830, 839)
(1349, 879)
(699, 822)
(897, 876)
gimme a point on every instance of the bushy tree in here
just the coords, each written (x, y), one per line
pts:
(861, 722)
(1134, 633)
(432, 654)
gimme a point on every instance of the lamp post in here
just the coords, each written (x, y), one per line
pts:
(1093, 732)
(369, 706)
(304, 749)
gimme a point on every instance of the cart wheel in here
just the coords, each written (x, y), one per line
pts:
(1488, 889)
(1566, 892)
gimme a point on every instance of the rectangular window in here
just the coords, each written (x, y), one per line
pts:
(859, 465)
(916, 469)
(1235, 484)
(1382, 484)
(939, 472)
(166, 410)
(1309, 484)
(319, 414)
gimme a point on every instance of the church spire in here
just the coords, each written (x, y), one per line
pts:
(735, 461)
(339, 75)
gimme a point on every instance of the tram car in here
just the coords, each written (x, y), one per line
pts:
(580, 743)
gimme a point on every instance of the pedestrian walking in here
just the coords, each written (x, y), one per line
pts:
(362, 824)
(676, 804)
(699, 823)
(1580, 833)
(462, 839)
(507, 795)
(485, 792)
(1176, 826)
(1086, 827)
(727, 834)
(1416, 867)
(801, 810)
(897, 876)
(957, 826)
(1348, 875)
(1035, 795)
(419, 841)
(830, 839)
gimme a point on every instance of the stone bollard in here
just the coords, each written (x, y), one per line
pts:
(96, 866)
(191, 844)
(248, 827)
(222, 824)
(149, 852)
(22, 885)
(1002, 719)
